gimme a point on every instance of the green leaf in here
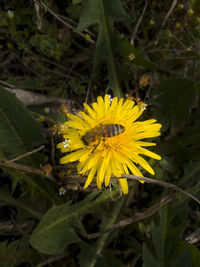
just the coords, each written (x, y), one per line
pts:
(24, 204)
(36, 184)
(55, 230)
(95, 255)
(167, 232)
(105, 51)
(139, 59)
(5, 254)
(174, 99)
(19, 132)
(115, 10)
(16, 253)
(190, 249)
(159, 235)
(92, 13)
(77, 1)
(183, 260)
(190, 136)
(105, 13)
(148, 259)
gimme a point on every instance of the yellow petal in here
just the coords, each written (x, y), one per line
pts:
(113, 104)
(149, 154)
(80, 165)
(128, 104)
(72, 156)
(90, 176)
(140, 143)
(74, 118)
(107, 176)
(76, 125)
(85, 156)
(107, 102)
(145, 165)
(93, 160)
(116, 167)
(97, 110)
(90, 111)
(133, 168)
(88, 119)
(99, 183)
(101, 171)
(101, 105)
(126, 171)
(120, 103)
(60, 145)
(90, 162)
(124, 185)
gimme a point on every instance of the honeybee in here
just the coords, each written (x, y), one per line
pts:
(102, 130)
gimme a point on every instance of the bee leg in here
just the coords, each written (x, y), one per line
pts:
(94, 148)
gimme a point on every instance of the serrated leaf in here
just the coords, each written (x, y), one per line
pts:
(16, 253)
(19, 131)
(91, 13)
(174, 99)
(5, 252)
(105, 13)
(115, 11)
(55, 230)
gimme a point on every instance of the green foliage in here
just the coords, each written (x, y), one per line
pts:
(166, 237)
(16, 252)
(105, 13)
(23, 204)
(55, 230)
(174, 100)
(140, 60)
(79, 50)
(18, 127)
(97, 255)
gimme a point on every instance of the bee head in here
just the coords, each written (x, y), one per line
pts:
(84, 140)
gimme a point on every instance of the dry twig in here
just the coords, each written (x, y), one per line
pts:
(160, 183)
(25, 168)
(60, 19)
(138, 23)
(193, 237)
(30, 98)
(174, 2)
(27, 154)
(138, 216)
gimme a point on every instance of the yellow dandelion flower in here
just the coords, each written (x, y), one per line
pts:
(107, 140)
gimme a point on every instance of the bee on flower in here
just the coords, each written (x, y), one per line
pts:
(107, 141)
